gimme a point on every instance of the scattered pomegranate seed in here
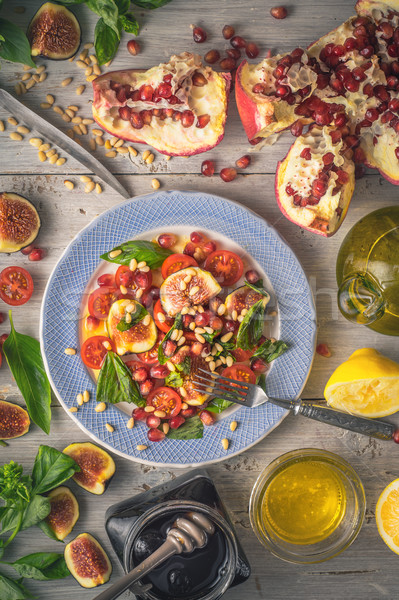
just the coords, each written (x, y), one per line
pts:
(164, 90)
(228, 32)
(196, 237)
(146, 116)
(243, 162)
(189, 249)
(176, 422)
(278, 12)
(233, 53)
(159, 371)
(133, 47)
(251, 50)
(139, 414)
(199, 35)
(155, 435)
(169, 348)
(323, 350)
(252, 276)
(228, 64)
(188, 412)
(146, 92)
(152, 421)
(216, 323)
(228, 174)
(207, 417)
(92, 323)
(395, 436)
(306, 154)
(289, 190)
(202, 319)
(328, 158)
(143, 280)
(187, 118)
(166, 240)
(212, 56)
(36, 254)
(238, 42)
(2, 317)
(27, 249)
(106, 279)
(208, 168)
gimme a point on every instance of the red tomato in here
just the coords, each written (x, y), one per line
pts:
(239, 372)
(166, 399)
(242, 355)
(16, 286)
(176, 262)
(93, 351)
(151, 356)
(226, 267)
(100, 301)
(133, 280)
(162, 325)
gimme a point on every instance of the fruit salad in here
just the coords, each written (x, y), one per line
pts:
(172, 306)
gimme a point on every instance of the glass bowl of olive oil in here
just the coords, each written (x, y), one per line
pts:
(307, 506)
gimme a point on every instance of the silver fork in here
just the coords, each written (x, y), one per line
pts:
(251, 396)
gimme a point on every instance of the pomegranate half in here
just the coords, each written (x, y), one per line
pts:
(179, 108)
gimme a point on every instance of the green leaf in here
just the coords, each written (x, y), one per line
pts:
(45, 527)
(137, 316)
(25, 361)
(3, 443)
(192, 429)
(108, 11)
(123, 6)
(141, 250)
(218, 405)
(174, 379)
(178, 324)
(15, 46)
(51, 469)
(13, 484)
(185, 366)
(269, 350)
(115, 383)
(42, 566)
(37, 510)
(106, 42)
(12, 590)
(251, 327)
(258, 287)
(151, 4)
(129, 23)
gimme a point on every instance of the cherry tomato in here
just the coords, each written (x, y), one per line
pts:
(226, 267)
(93, 351)
(151, 356)
(242, 355)
(166, 399)
(162, 325)
(133, 280)
(176, 262)
(101, 300)
(16, 286)
(155, 435)
(239, 372)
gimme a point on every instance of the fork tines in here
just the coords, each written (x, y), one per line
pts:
(213, 383)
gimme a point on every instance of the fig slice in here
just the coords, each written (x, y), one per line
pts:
(14, 421)
(96, 466)
(187, 287)
(19, 222)
(87, 561)
(241, 298)
(54, 32)
(139, 338)
(64, 511)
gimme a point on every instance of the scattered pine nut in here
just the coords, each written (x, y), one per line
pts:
(50, 99)
(96, 70)
(26, 76)
(139, 293)
(80, 89)
(161, 317)
(116, 142)
(88, 45)
(92, 144)
(66, 118)
(16, 136)
(79, 399)
(221, 309)
(22, 87)
(44, 147)
(2, 126)
(70, 113)
(233, 425)
(97, 131)
(141, 447)
(165, 428)
(170, 366)
(229, 361)
(30, 84)
(77, 129)
(226, 337)
(155, 184)
(53, 159)
(108, 63)
(160, 413)
(12, 121)
(61, 161)
(130, 423)
(17, 88)
(193, 290)
(150, 159)
(99, 189)
(73, 107)
(27, 68)
(88, 71)
(72, 58)
(225, 443)
(43, 77)
(93, 59)
(132, 151)
(149, 409)
(88, 121)
(89, 187)
(70, 351)
(42, 156)
(76, 119)
(58, 110)
(45, 105)
(36, 78)
(146, 154)
(73, 409)
(99, 141)
(51, 152)
(146, 320)
(108, 145)
(40, 69)
(69, 184)
(122, 288)
(168, 157)
(37, 142)
(81, 64)
(141, 264)
(109, 427)
(115, 253)
(110, 154)
(83, 129)
(101, 406)
(122, 150)
(85, 179)
(86, 396)
(234, 315)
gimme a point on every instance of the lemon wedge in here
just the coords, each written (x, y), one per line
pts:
(366, 384)
(387, 515)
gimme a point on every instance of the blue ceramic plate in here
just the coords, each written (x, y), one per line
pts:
(165, 210)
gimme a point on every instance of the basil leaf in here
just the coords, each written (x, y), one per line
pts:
(115, 383)
(45, 527)
(141, 250)
(269, 350)
(174, 379)
(178, 324)
(25, 361)
(151, 4)
(51, 469)
(106, 42)
(12, 590)
(15, 46)
(137, 316)
(37, 510)
(3, 443)
(185, 366)
(251, 327)
(42, 566)
(129, 23)
(192, 429)
(258, 287)
(218, 405)
(123, 6)
(108, 11)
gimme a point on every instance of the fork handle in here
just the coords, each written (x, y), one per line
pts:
(374, 428)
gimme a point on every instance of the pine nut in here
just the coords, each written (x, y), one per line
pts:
(133, 264)
(191, 271)
(174, 335)
(92, 144)
(199, 330)
(109, 427)
(77, 129)
(79, 399)
(130, 308)
(16, 136)
(130, 423)
(66, 118)
(58, 110)
(80, 89)
(208, 359)
(113, 141)
(45, 105)
(88, 71)
(200, 338)
(81, 64)
(222, 360)
(26, 76)
(139, 293)
(184, 310)
(73, 409)
(212, 365)
(182, 392)
(86, 396)
(53, 159)
(187, 279)
(146, 320)
(37, 142)
(83, 129)
(99, 141)
(107, 145)
(132, 151)
(192, 326)
(40, 69)
(122, 288)
(89, 187)
(97, 131)
(100, 407)
(110, 154)
(229, 361)
(99, 189)
(61, 161)
(22, 87)
(145, 269)
(191, 311)
(225, 443)
(155, 184)
(70, 351)
(70, 113)
(182, 286)
(118, 143)
(88, 121)
(50, 99)
(12, 121)
(141, 264)
(149, 409)
(2, 128)
(234, 315)
(107, 345)
(44, 147)
(161, 317)
(43, 77)
(73, 107)
(233, 425)
(208, 329)
(168, 158)
(66, 81)
(221, 309)
(122, 150)
(36, 78)
(141, 447)
(170, 366)
(17, 88)
(51, 152)
(184, 406)
(96, 70)
(42, 156)
(69, 184)
(72, 58)
(30, 84)
(240, 318)
(200, 309)
(27, 68)
(91, 78)
(160, 413)
(146, 154)
(193, 290)
(150, 159)
(165, 428)
(226, 337)
(85, 179)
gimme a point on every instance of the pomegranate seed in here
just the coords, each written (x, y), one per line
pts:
(339, 50)
(228, 174)
(126, 278)
(133, 47)
(351, 141)
(228, 32)
(350, 44)
(392, 82)
(297, 128)
(199, 35)
(328, 158)
(238, 42)
(282, 90)
(124, 113)
(392, 50)
(159, 371)
(166, 240)
(289, 190)
(146, 387)
(155, 435)
(228, 64)
(381, 93)
(148, 298)
(322, 81)
(306, 154)
(187, 118)
(297, 54)
(152, 421)
(337, 85)
(352, 85)
(368, 90)
(135, 95)
(397, 152)
(243, 162)
(207, 417)
(212, 56)
(203, 121)
(36, 254)
(209, 247)
(258, 88)
(387, 117)
(196, 237)
(199, 79)
(188, 412)
(208, 168)
(3, 338)
(255, 141)
(164, 90)
(394, 67)
(358, 74)
(342, 176)
(143, 280)
(233, 53)
(196, 348)
(259, 366)
(189, 249)
(92, 323)
(336, 136)
(393, 104)
(252, 276)
(176, 422)
(359, 156)
(319, 188)
(323, 350)
(251, 50)
(367, 52)
(27, 249)
(169, 348)
(136, 120)
(230, 326)
(395, 436)
(146, 93)
(202, 319)
(372, 114)
(139, 414)
(140, 374)
(176, 116)
(278, 12)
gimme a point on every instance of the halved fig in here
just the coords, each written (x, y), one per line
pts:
(242, 298)
(187, 287)
(96, 466)
(54, 32)
(87, 561)
(139, 338)
(19, 222)
(64, 511)
(179, 107)
(14, 421)
(315, 182)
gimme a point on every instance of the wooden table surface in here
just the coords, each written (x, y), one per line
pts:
(368, 569)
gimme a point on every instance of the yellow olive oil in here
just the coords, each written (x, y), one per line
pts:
(304, 502)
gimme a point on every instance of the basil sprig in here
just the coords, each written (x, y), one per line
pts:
(251, 327)
(141, 250)
(136, 316)
(115, 383)
(23, 356)
(14, 44)
(269, 350)
(192, 429)
(178, 324)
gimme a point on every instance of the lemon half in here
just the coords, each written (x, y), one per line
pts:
(387, 515)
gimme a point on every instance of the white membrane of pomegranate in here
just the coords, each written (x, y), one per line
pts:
(271, 325)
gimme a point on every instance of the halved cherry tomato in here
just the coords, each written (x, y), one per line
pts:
(166, 399)
(242, 355)
(177, 262)
(101, 300)
(151, 356)
(239, 372)
(133, 279)
(93, 351)
(162, 325)
(226, 267)
(16, 286)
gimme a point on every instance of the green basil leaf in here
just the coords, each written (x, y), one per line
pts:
(15, 45)
(192, 429)
(42, 566)
(178, 324)
(151, 4)
(174, 379)
(66, 2)
(106, 42)
(36, 510)
(269, 350)
(51, 469)
(141, 250)
(258, 287)
(218, 405)
(251, 327)
(129, 23)
(108, 11)
(115, 383)
(137, 316)
(123, 6)
(26, 364)
(185, 366)
(45, 527)
(3, 443)
(12, 590)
